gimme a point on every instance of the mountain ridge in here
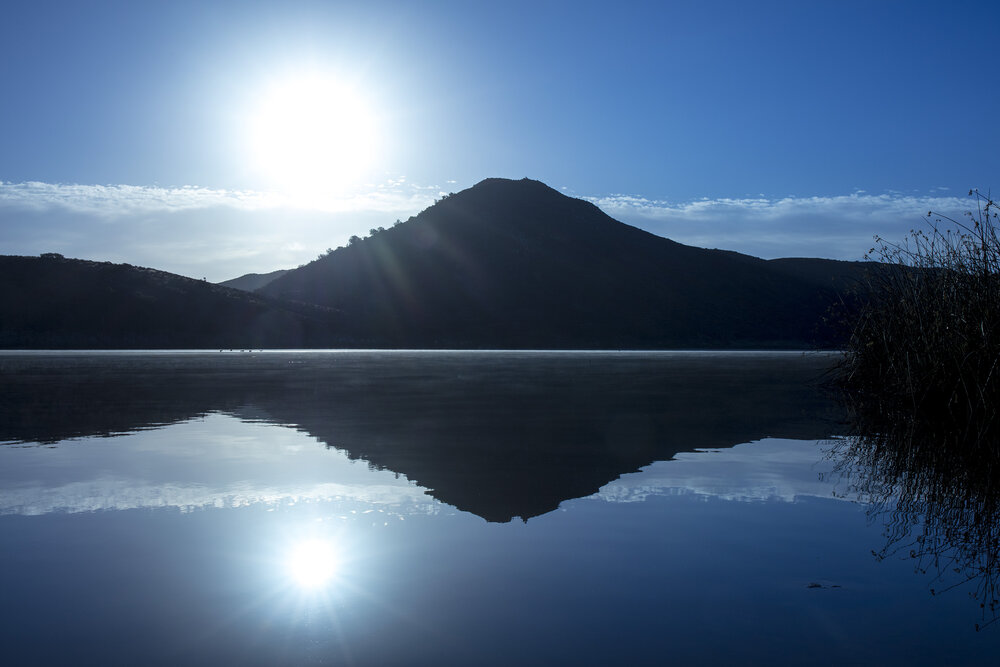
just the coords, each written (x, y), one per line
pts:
(517, 264)
(503, 264)
(61, 303)
(250, 282)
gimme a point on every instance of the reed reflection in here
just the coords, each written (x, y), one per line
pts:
(934, 485)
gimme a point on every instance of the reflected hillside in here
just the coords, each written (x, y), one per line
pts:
(501, 435)
(935, 489)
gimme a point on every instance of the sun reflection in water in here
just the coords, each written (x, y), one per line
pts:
(313, 564)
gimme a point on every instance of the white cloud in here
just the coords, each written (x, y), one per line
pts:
(126, 200)
(220, 234)
(194, 231)
(838, 227)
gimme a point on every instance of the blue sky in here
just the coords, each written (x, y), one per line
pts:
(132, 131)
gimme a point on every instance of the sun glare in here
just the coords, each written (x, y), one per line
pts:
(312, 134)
(313, 563)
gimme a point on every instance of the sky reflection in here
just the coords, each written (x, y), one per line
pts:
(219, 461)
(766, 470)
(164, 517)
(296, 554)
(216, 461)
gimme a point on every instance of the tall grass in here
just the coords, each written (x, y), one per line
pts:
(925, 344)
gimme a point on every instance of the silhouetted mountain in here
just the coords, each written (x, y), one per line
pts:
(253, 281)
(504, 264)
(496, 434)
(52, 302)
(515, 264)
(840, 276)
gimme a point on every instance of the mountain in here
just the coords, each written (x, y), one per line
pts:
(838, 275)
(516, 264)
(54, 302)
(253, 281)
(504, 264)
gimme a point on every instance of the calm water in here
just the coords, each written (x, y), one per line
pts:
(449, 508)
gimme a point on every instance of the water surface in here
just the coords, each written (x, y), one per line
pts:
(446, 508)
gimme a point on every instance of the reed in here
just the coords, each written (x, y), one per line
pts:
(924, 345)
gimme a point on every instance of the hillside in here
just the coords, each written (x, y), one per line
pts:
(253, 281)
(516, 264)
(52, 302)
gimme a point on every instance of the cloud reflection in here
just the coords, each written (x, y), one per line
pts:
(255, 464)
(124, 494)
(767, 470)
(236, 464)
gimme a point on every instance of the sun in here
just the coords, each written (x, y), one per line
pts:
(313, 563)
(312, 133)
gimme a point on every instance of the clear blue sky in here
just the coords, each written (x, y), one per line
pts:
(127, 129)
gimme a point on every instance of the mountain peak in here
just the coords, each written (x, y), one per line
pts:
(504, 205)
(525, 188)
(520, 184)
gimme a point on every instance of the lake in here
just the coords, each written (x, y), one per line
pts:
(467, 508)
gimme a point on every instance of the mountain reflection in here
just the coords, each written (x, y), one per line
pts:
(936, 490)
(500, 435)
